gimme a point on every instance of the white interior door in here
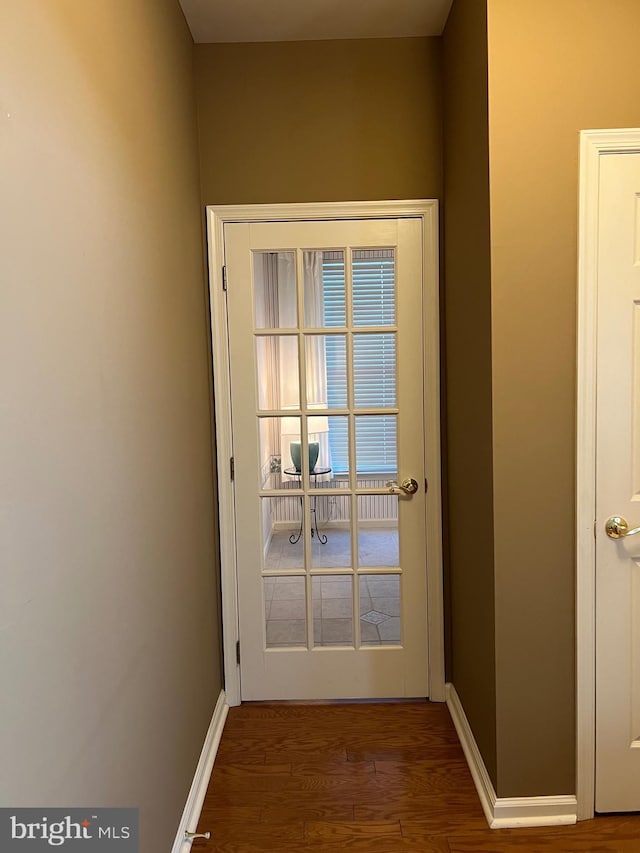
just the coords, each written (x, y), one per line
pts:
(618, 486)
(325, 340)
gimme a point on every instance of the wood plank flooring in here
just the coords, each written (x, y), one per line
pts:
(379, 778)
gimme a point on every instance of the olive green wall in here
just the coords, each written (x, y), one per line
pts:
(319, 121)
(110, 659)
(467, 332)
(555, 67)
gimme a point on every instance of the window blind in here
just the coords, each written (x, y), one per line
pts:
(374, 358)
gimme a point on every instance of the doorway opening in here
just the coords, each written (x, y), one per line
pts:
(322, 555)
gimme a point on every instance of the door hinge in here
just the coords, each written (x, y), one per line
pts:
(238, 652)
(232, 468)
(224, 277)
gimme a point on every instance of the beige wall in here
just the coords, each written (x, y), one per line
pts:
(109, 656)
(467, 334)
(555, 67)
(319, 121)
(109, 610)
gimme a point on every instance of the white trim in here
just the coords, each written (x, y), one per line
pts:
(193, 807)
(515, 812)
(226, 493)
(505, 812)
(431, 373)
(217, 216)
(323, 210)
(593, 145)
(479, 773)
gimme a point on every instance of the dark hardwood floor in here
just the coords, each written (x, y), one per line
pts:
(380, 777)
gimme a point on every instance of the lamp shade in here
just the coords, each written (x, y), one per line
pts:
(317, 423)
(290, 427)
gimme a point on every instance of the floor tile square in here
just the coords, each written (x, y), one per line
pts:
(389, 605)
(288, 608)
(337, 608)
(337, 631)
(390, 630)
(286, 632)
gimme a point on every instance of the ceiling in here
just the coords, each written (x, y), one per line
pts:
(306, 20)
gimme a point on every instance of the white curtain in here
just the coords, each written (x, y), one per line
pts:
(316, 358)
(266, 308)
(287, 319)
(316, 372)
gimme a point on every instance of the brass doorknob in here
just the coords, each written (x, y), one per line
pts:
(408, 486)
(617, 528)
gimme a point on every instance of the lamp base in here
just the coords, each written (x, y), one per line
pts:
(296, 455)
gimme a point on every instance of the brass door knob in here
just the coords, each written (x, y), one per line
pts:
(617, 528)
(408, 486)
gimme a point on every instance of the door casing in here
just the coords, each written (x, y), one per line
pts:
(594, 144)
(217, 216)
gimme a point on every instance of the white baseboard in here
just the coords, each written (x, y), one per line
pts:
(534, 811)
(193, 807)
(506, 812)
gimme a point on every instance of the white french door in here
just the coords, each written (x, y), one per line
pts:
(325, 327)
(618, 485)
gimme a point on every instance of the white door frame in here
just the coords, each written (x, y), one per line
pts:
(593, 145)
(217, 216)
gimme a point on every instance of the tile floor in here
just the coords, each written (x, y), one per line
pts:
(332, 595)
(376, 547)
